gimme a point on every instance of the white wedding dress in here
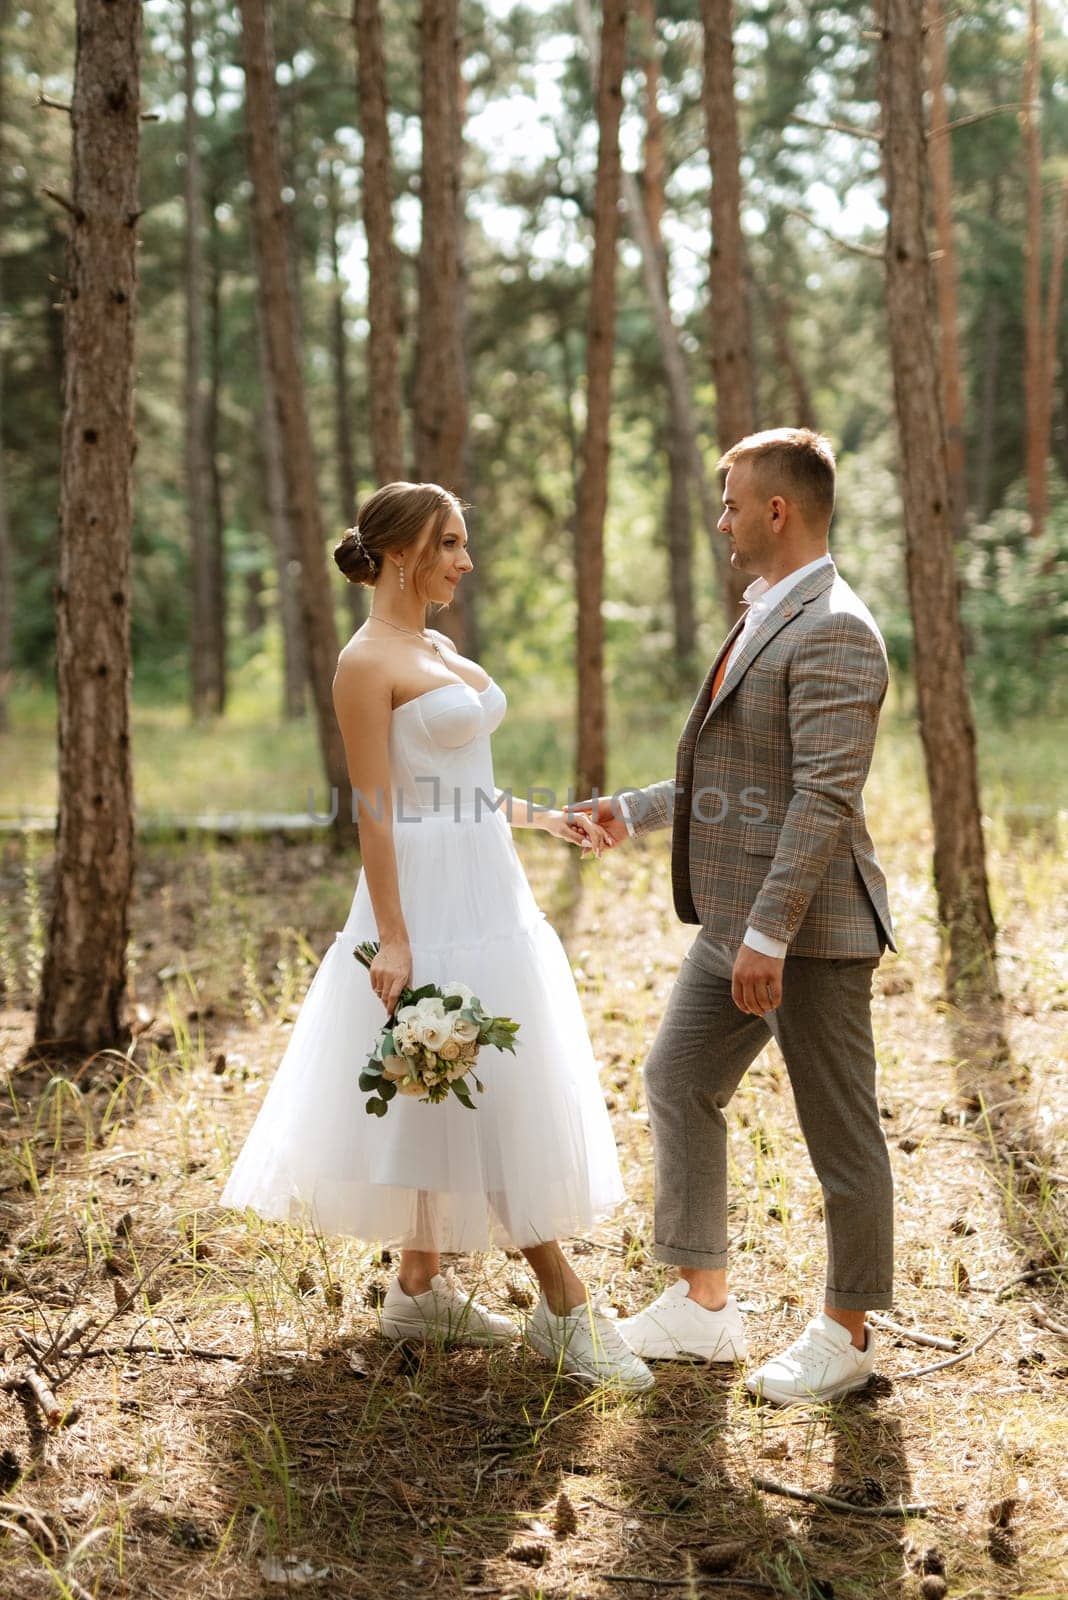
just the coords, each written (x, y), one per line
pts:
(536, 1159)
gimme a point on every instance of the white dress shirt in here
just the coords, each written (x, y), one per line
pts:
(761, 598)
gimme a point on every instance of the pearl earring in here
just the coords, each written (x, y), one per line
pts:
(402, 574)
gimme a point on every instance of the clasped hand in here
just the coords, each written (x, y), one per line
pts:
(578, 828)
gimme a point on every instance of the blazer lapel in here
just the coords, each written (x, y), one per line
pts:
(790, 606)
(699, 709)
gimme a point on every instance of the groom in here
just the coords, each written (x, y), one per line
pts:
(772, 857)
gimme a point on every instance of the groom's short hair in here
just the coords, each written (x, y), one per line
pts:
(794, 462)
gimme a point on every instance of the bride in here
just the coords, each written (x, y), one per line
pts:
(443, 892)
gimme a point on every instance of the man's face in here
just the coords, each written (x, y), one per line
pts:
(746, 520)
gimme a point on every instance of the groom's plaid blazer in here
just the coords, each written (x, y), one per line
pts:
(766, 808)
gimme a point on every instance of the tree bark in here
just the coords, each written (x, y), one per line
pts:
(946, 724)
(1053, 310)
(280, 325)
(731, 326)
(343, 431)
(217, 518)
(83, 985)
(685, 456)
(941, 159)
(1038, 422)
(991, 360)
(5, 535)
(206, 667)
(681, 446)
(383, 295)
(600, 339)
(283, 543)
(441, 380)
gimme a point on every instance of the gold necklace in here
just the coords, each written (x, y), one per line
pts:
(416, 633)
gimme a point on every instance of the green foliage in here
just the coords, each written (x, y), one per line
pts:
(1015, 606)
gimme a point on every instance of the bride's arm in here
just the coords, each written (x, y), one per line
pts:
(363, 705)
(574, 826)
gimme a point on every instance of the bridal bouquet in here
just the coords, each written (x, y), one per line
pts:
(430, 1044)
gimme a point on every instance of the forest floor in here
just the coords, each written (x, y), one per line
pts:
(235, 1426)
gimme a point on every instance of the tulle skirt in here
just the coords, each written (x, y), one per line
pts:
(536, 1159)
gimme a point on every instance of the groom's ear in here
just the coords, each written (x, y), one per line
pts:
(777, 511)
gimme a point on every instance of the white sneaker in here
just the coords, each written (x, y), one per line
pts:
(675, 1328)
(587, 1346)
(821, 1365)
(444, 1312)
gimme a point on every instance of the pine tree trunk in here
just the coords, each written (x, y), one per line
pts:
(280, 324)
(731, 325)
(217, 514)
(441, 381)
(644, 210)
(283, 543)
(946, 724)
(1034, 352)
(5, 534)
(343, 431)
(600, 340)
(941, 159)
(383, 294)
(1053, 308)
(206, 669)
(678, 524)
(83, 985)
(989, 372)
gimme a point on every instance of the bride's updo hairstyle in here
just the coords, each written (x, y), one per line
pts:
(392, 519)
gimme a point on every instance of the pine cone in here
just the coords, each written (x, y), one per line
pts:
(565, 1522)
(865, 1492)
(1002, 1547)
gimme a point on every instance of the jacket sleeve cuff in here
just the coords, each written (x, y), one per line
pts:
(765, 945)
(624, 810)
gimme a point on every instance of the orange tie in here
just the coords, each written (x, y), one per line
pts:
(721, 670)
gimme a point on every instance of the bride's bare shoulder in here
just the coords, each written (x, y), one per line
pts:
(363, 667)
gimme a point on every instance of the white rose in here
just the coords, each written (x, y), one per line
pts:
(461, 989)
(431, 1006)
(435, 1032)
(450, 1050)
(463, 1031)
(406, 1013)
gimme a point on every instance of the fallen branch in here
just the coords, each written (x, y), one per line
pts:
(929, 1340)
(89, 1343)
(940, 1366)
(54, 1414)
(1044, 1320)
(699, 1580)
(164, 1352)
(1030, 1277)
(829, 1502)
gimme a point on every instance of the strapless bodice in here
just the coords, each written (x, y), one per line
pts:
(440, 757)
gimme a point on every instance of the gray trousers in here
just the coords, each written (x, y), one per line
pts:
(704, 1048)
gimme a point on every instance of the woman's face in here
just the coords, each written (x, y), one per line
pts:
(451, 562)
